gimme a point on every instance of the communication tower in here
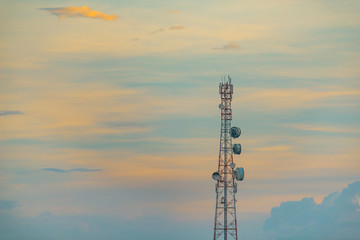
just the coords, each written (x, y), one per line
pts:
(225, 225)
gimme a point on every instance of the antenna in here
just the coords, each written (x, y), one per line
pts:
(216, 176)
(237, 148)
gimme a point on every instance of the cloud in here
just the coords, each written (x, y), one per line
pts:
(5, 113)
(174, 11)
(119, 124)
(277, 148)
(47, 225)
(318, 128)
(160, 30)
(176, 27)
(261, 99)
(83, 11)
(59, 170)
(229, 46)
(8, 204)
(337, 216)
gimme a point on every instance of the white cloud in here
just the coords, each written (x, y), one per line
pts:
(337, 217)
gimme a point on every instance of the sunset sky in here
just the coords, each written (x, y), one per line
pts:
(109, 119)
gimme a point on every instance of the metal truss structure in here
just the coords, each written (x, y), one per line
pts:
(225, 225)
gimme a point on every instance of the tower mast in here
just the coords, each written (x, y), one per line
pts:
(225, 224)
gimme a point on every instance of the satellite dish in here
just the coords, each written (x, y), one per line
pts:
(239, 174)
(237, 148)
(232, 165)
(216, 176)
(235, 132)
(221, 106)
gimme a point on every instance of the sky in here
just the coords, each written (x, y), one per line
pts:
(109, 119)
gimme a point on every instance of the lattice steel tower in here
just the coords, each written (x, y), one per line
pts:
(225, 225)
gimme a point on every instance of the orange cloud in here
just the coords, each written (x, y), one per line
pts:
(318, 128)
(176, 27)
(278, 148)
(83, 11)
(279, 99)
(174, 11)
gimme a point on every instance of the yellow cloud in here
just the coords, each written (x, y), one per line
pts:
(279, 99)
(83, 11)
(176, 27)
